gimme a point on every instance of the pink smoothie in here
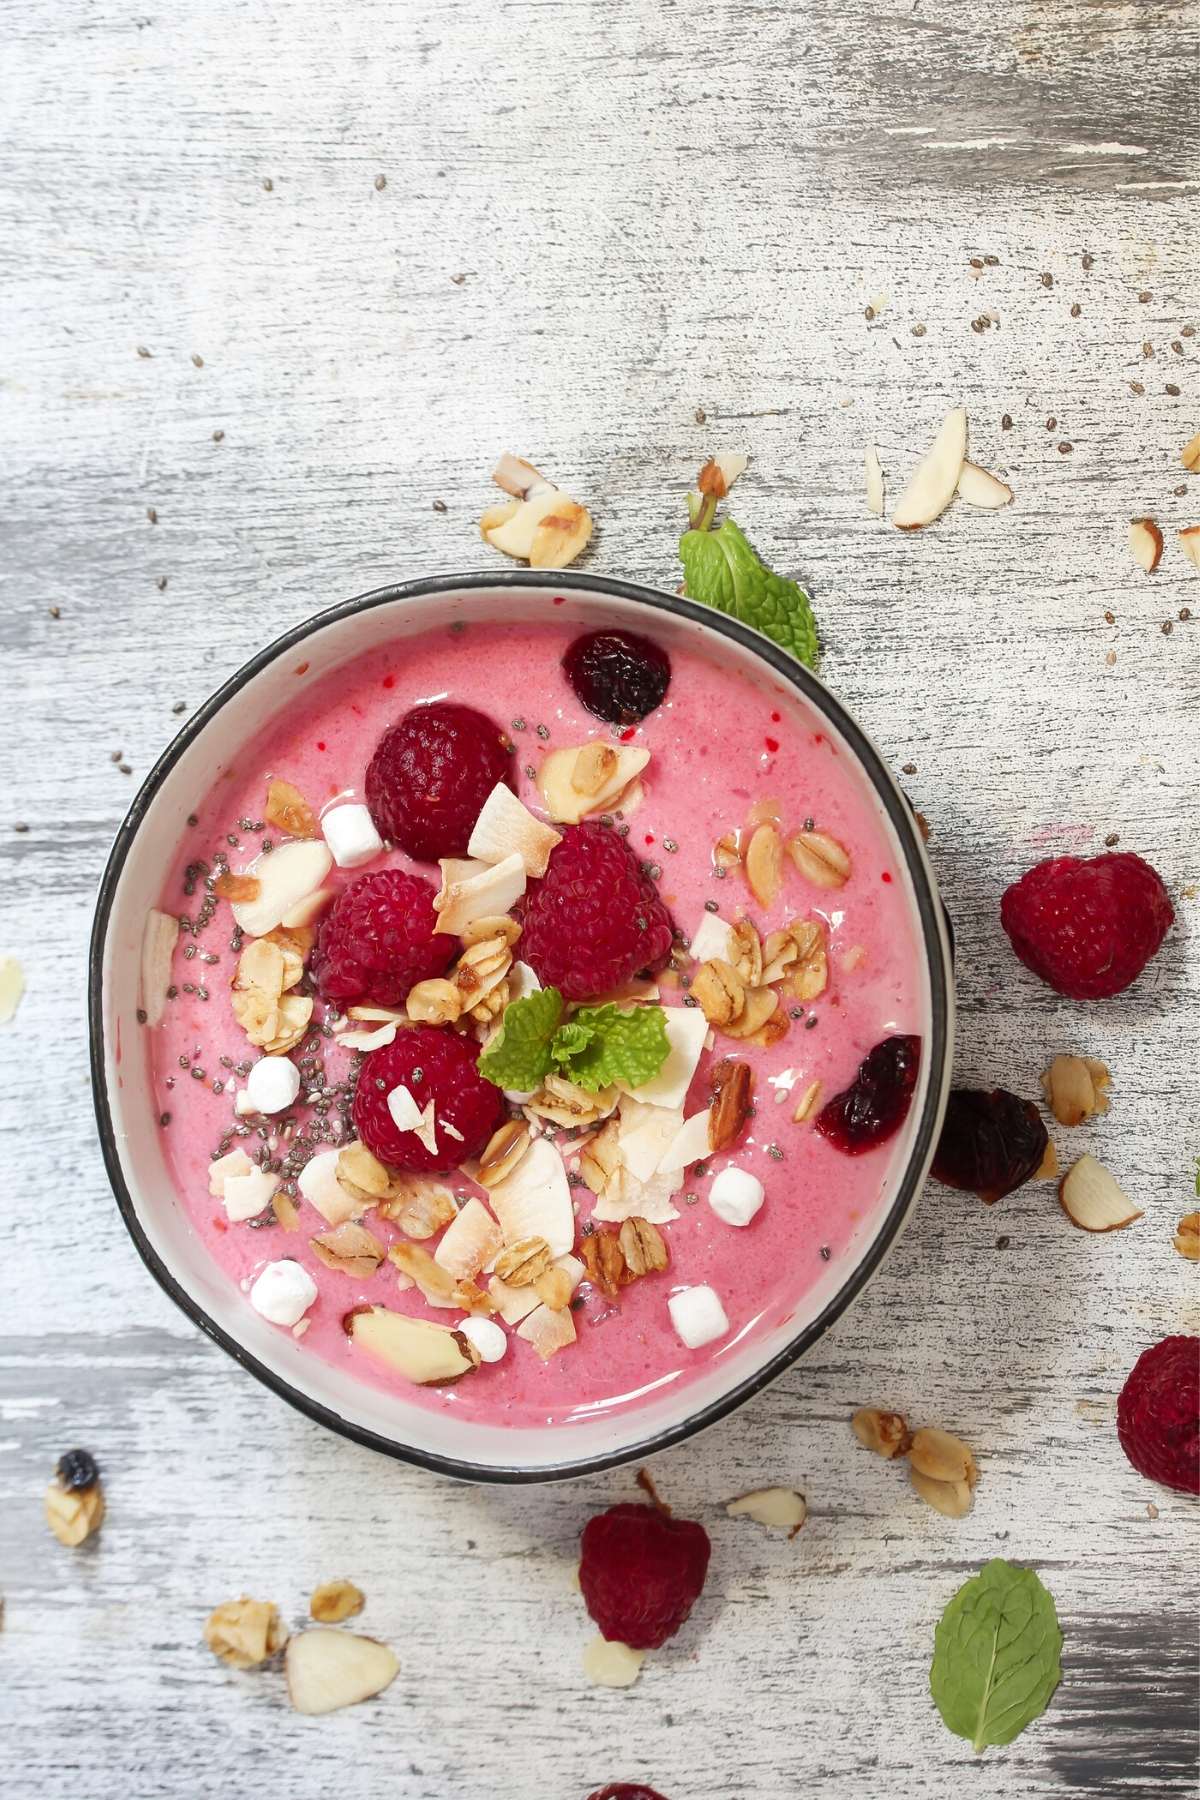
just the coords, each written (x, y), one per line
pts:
(719, 744)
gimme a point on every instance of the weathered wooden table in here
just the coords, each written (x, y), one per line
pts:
(276, 281)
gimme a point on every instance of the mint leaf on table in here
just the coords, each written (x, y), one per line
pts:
(520, 1057)
(720, 569)
(996, 1655)
(620, 1046)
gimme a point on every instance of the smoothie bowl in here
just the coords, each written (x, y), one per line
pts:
(520, 1019)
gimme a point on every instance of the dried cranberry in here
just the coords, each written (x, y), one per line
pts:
(991, 1142)
(617, 675)
(877, 1101)
(77, 1469)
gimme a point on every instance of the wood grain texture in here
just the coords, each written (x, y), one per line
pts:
(654, 209)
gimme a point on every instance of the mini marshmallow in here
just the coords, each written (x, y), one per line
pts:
(283, 1292)
(736, 1195)
(406, 1114)
(246, 1195)
(489, 1339)
(698, 1316)
(351, 835)
(272, 1085)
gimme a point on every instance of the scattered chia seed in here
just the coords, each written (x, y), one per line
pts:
(711, 906)
(1135, 387)
(188, 952)
(691, 1199)
(797, 1012)
(992, 262)
(1076, 310)
(670, 846)
(1166, 627)
(184, 1062)
(202, 993)
(1110, 618)
(977, 262)
(811, 1022)
(1145, 297)
(826, 1253)
(380, 183)
(1173, 390)
(1047, 280)
(161, 584)
(689, 1000)
(623, 831)
(543, 731)
(1087, 261)
(20, 825)
(267, 846)
(218, 1087)
(809, 825)
(458, 627)
(417, 1075)
(143, 352)
(55, 612)
(125, 768)
(179, 706)
(1002, 1243)
(531, 771)
(192, 819)
(1147, 349)
(700, 1171)
(1185, 613)
(218, 437)
(719, 875)
(1065, 449)
(172, 992)
(519, 725)
(164, 1119)
(1006, 422)
(199, 1074)
(152, 515)
(439, 506)
(140, 1015)
(1113, 837)
(169, 1082)
(654, 871)
(918, 331)
(774, 1152)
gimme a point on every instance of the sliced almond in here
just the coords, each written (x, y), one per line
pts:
(286, 1211)
(286, 876)
(73, 1514)
(1187, 1236)
(810, 972)
(348, 1249)
(362, 1171)
(520, 478)
(1189, 456)
(609, 1663)
(1092, 1200)
(718, 991)
(778, 1508)
(501, 926)
(534, 1199)
(732, 1102)
(327, 1669)
(506, 828)
(547, 529)
(549, 1331)
(1047, 1169)
(643, 1247)
(160, 934)
(502, 1152)
(1076, 1089)
(594, 767)
(294, 1017)
(874, 476)
(438, 1287)
(471, 1240)
(568, 804)
(747, 957)
(306, 912)
(886, 1433)
(334, 1601)
(942, 1456)
(932, 485)
(288, 810)
(761, 1005)
(1146, 544)
(978, 487)
(727, 851)
(808, 1103)
(424, 1353)
(244, 1633)
(953, 1499)
(1189, 543)
(764, 864)
(820, 858)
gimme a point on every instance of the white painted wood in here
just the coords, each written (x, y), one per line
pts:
(654, 209)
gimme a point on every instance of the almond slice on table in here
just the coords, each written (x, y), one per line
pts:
(953, 1499)
(1076, 1088)
(568, 803)
(979, 487)
(1092, 1200)
(244, 1633)
(327, 1669)
(874, 476)
(1146, 544)
(534, 1199)
(506, 828)
(1189, 456)
(778, 1508)
(160, 935)
(495, 891)
(609, 1663)
(1189, 543)
(424, 1353)
(286, 876)
(940, 1456)
(334, 1601)
(543, 526)
(935, 480)
(1187, 1236)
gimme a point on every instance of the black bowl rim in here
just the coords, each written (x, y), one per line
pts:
(933, 934)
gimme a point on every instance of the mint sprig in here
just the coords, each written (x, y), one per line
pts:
(996, 1655)
(720, 569)
(593, 1048)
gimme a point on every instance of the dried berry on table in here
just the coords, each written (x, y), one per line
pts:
(991, 1142)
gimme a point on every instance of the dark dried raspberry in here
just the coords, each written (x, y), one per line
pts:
(595, 919)
(990, 1144)
(77, 1469)
(430, 775)
(377, 940)
(433, 1064)
(1158, 1414)
(625, 1790)
(641, 1572)
(618, 675)
(1087, 927)
(876, 1103)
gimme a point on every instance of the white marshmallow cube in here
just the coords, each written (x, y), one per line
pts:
(490, 1339)
(698, 1316)
(283, 1292)
(736, 1195)
(351, 835)
(272, 1085)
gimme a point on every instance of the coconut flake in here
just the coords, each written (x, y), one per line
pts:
(689, 1145)
(506, 828)
(535, 1199)
(483, 896)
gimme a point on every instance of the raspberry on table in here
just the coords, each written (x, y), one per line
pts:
(377, 940)
(595, 919)
(618, 675)
(1087, 926)
(430, 775)
(1158, 1414)
(626, 1790)
(641, 1572)
(433, 1063)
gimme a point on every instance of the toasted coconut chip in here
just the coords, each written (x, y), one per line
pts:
(978, 487)
(548, 1330)
(1092, 1200)
(689, 1145)
(1146, 544)
(419, 1205)
(567, 803)
(686, 1028)
(713, 938)
(159, 938)
(334, 1199)
(625, 1196)
(244, 1633)
(764, 864)
(328, 1669)
(507, 828)
(534, 1199)
(932, 485)
(288, 810)
(647, 1134)
(608, 1663)
(348, 1250)
(874, 476)
(286, 875)
(470, 1241)
(496, 890)
(778, 1508)
(334, 1601)
(234, 1162)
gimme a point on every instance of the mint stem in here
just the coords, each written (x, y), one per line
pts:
(704, 514)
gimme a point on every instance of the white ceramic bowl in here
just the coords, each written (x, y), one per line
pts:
(131, 1141)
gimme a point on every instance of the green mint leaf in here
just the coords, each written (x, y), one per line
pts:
(721, 570)
(621, 1046)
(996, 1655)
(520, 1057)
(571, 1039)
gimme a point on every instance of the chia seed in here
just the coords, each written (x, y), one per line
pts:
(774, 1152)
(218, 1087)
(519, 725)
(691, 1199)
(711, 906)
(199, 1074)
(185, 1062)
(689, 1000)
(164, 1119)
(826, 1253)
(172, 992)
(810, 1022)
(719, 875)
(670, 846)
(418, 1074)
(189, 950)
(543, 731)
(531, 771)
(141, 1015)
(809, 825)
(179, 706)
(797, 1012)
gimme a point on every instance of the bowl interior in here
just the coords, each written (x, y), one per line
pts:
(279, 676)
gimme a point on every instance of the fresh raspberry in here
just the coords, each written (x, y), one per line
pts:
(625, 1790)
(376, 941)
(430, 775)
(641, 1572)
(594, 919)
(1087, 927)
(433, 1064)
(1158, 1414)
